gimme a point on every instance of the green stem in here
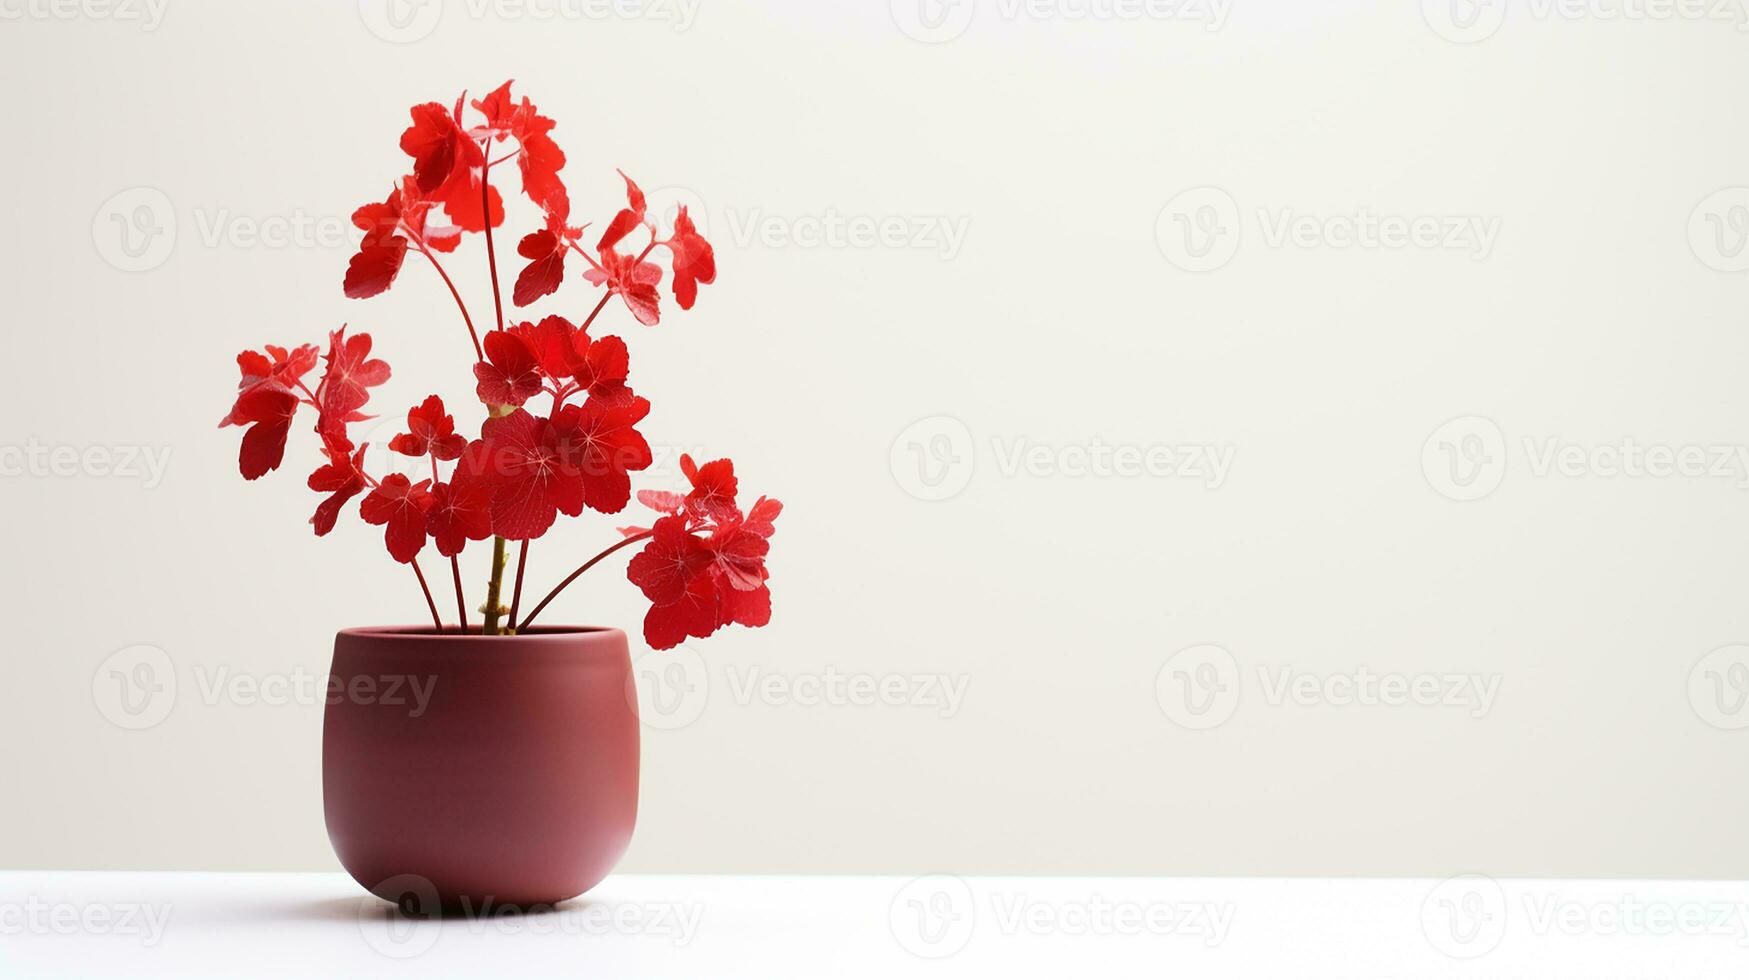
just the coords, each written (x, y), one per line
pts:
(494, 589)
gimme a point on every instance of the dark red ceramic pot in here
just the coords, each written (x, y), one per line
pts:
(476, 770)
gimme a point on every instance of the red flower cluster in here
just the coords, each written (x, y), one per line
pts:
(704, 566)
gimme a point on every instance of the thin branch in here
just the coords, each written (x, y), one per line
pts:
(461, 604)
(435, 621)
(486, 209)
(516, 593)
(479, 354)
(591, 563)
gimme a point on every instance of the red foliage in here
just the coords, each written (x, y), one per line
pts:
(704, 564)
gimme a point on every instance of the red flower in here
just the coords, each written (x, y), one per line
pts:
(697, 585)
(459, 513)
(633, 280)
(629, 217)
(511, 377)
(401, 504)
(694, 260)
(342, 479)
(430, 432)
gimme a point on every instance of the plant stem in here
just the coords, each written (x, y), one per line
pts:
(479, 354)
(586, 566)
(435, 621)
(486, 210)
(461, 604)
(516, 593)
(493, 590)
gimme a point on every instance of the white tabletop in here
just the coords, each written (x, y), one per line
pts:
(107, 925)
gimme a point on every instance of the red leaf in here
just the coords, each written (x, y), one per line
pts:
(342, 479)
(268, 412)
(634, 281)
(346, 383)
(598, 440)
(437, 145)
(552, 343)
(694, 260)
(401, 505)
(430, 432)
(626, 220)
(511, 377)
(458, 514)
(713, 488)
(672, 558)
(374, 268)
(546, 270)
(530, 479)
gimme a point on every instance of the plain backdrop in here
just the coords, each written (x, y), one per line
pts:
(985, 270)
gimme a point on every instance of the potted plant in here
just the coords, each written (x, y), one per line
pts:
(515, 779)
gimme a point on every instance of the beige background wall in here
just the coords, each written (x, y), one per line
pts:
(1257, 605)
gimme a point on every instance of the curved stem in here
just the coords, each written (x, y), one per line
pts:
(479, 354)
(486, 210)
(461, 603)
(591, 563)
(429, 604)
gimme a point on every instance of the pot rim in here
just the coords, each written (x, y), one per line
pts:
(473, 634)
